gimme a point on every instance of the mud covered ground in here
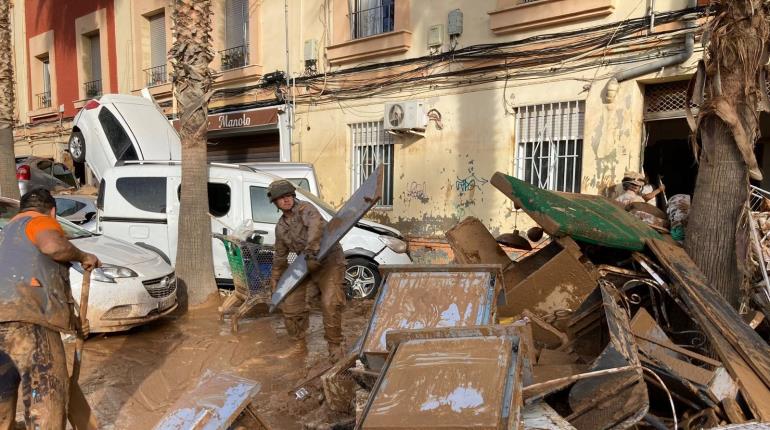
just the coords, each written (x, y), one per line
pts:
(132, 379)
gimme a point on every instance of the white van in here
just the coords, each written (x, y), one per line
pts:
(139, 203)
(302, 175)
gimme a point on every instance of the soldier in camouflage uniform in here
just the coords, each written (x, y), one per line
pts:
(35, 305)
(300, 230)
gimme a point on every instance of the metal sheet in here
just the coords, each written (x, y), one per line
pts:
(745, 355)
(351, 212)
(459, 383)
(428, 299)
(213, 404)
(587, 218)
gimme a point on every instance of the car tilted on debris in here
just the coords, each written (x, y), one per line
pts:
(139, 202)
(133, 287)
(118, 127)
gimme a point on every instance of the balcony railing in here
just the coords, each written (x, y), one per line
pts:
(235, 57)
(93, 88)
(156, 75)
(43, 100)
(375, 20)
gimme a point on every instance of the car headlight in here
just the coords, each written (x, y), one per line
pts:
(108, 272)
(396, 245)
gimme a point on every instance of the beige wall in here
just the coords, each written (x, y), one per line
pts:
(477, 138)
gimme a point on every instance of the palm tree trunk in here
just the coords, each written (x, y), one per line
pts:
(191, 54)
(721, 192)
(717, 235)
(9, 187)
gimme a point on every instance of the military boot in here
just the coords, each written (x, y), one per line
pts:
(336, 353)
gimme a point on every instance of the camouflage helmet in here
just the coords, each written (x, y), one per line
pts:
(280, 188)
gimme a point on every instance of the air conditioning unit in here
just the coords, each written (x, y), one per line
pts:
(407, 115)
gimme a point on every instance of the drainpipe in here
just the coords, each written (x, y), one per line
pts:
(625, 75)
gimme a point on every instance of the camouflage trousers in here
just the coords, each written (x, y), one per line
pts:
(678, 209)
(330, 280)
(32, 356)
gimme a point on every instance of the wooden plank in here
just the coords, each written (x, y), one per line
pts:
(705, 303)
(745, 355)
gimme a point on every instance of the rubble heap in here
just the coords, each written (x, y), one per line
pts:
(606, 324)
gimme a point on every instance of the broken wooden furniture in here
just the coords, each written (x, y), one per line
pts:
(427, 296)
(471, 379)
(614, 400)
(552, 280)
(745, 355)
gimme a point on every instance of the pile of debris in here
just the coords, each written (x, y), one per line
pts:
(610, 325)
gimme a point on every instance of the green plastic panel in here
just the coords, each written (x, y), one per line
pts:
(586, 218)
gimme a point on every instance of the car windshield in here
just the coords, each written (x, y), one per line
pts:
(8, 210)
(322, 204)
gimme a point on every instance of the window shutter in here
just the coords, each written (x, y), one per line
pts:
(158, 40)
(237, 23)
(96, 58)
(46, 76)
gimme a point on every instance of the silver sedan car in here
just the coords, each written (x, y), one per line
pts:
(33, 172)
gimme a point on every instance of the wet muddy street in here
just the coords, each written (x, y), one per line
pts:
(132, 379)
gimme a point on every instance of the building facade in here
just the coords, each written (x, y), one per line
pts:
(65, 55)
(444, 93)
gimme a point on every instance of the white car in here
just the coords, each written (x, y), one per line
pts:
(77, 209)
(119, 127)
(134, 286)
(139, 202)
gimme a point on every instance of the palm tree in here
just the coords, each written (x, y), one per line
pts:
(732, 78)
(8, 185)
(192, 78)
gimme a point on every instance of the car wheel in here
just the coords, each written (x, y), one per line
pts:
(77, 147)
(362, 278)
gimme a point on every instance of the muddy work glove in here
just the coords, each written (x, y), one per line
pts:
(313, 265)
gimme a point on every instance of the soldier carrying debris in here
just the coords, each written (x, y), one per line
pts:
(300, 230)
(35, 305)
(633, 184)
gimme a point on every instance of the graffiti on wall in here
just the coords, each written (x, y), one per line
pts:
(470, 182)
(417, 191)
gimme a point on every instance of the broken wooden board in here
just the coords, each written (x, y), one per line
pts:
(472, 243)
(556, 278)
(468, 383)
(416, 296)
(351, 212)
(711, 384)
(745, 355)
(213, 404)
(616, 400)
(540, 416)
(586, 218)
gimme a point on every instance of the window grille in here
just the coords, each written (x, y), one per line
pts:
(549, 139)
(372, 17)
(372, 146)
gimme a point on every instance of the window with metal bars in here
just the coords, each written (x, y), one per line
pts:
(370, 17)
(372, 146)
(549, 145)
